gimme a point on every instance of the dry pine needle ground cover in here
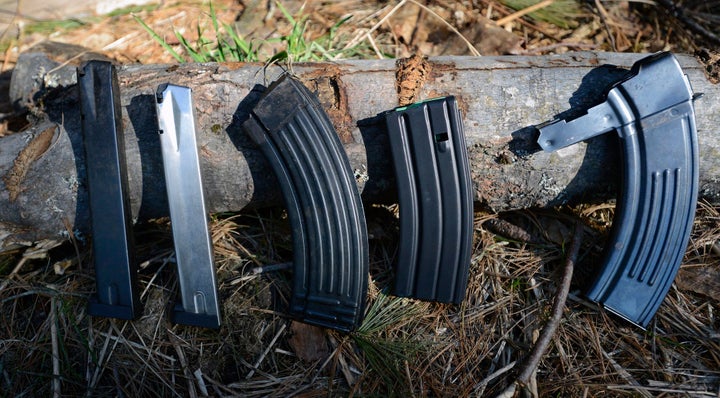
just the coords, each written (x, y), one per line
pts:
(48, 344)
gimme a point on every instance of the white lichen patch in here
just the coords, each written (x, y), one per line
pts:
(512, 91)
(361, 176)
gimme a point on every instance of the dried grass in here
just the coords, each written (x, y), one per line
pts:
(414, 348)
(405, 347)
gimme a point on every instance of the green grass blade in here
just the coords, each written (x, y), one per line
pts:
(286, 13)
(214, 19)
(196, 56)
(244, 50)
(221, 44)
(159, 39)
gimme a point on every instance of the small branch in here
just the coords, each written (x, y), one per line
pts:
(678, 12)
(507, 229)
(548, 331)
(627, 376)
(201, 383)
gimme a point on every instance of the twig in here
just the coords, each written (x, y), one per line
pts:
(336, 351)
(548, 331)
(255, 272)
(184, 365)
(448, 367)
(345, 369)
(678, 12)
(99, 365)
(39, 251)
(501, 9)
(55, 350)
(220, 386)
(605, 17)
(146, 361)
(470, 46)
(150, 351)
(627, 376)
(12, 273)
(674, 391)
(550, 47)
(201, 383)
(375, 48)
(356, 40)
(409, 379)
(267, 349)
(89, 358)
(507, 229)
(480, 387)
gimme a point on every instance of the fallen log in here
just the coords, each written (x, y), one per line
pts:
(43, 193)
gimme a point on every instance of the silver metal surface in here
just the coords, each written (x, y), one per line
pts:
(561, 133)
(193, 247)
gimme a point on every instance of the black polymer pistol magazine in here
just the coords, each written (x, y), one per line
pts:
(112, 238)
(435, 199)
(330, 242)
(652, 112)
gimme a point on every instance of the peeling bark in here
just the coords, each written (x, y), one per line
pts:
(35, 148)
(501, 99)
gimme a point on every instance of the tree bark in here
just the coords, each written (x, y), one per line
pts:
(43, 192)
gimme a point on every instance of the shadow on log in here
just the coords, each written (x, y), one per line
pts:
(43, 192)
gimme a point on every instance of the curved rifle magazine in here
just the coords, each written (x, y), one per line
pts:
(330, 246)
(652, 111)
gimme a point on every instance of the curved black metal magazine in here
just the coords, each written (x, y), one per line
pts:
(652, 112)
(330, 244)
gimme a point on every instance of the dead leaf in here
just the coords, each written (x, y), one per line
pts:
(308, 342)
